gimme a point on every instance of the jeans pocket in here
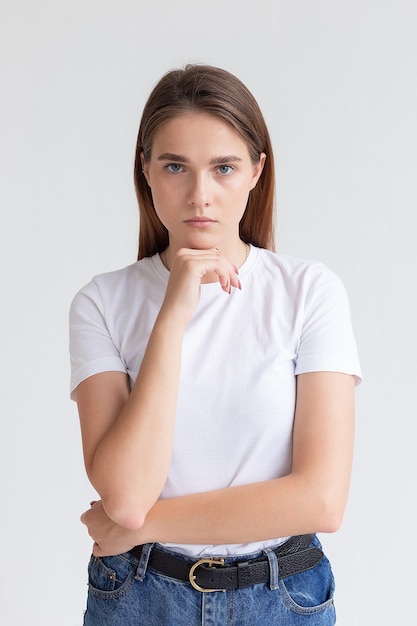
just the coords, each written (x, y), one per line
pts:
(111, 576)
(310, 591)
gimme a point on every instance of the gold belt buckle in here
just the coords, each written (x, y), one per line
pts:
(210, 563)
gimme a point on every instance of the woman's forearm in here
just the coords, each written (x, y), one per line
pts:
(236, 515)
(256, 512)
(134, 455)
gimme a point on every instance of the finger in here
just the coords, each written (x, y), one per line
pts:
(223, 267)
(211, 260)
(231, 273)
(227, 274)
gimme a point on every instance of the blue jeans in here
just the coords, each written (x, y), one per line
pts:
(124, 592)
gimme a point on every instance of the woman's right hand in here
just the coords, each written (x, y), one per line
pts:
(189, 269)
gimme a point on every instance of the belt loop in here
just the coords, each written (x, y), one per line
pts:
(143, 561)
(273, 568)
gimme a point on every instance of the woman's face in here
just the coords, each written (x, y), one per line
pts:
(200, 174)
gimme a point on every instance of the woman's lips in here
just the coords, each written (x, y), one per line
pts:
(199, 222)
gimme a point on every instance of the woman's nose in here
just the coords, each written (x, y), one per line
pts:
(200, 191)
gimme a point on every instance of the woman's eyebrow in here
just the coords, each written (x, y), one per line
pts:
(224, 160)
(180, 158)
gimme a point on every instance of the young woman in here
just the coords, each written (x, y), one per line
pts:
(215, 385)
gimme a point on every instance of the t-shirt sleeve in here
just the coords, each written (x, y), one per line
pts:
(327, 342)
(92, 349)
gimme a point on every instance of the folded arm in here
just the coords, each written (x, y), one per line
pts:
(311, 498)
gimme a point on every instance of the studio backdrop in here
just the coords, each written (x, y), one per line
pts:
(336, 81)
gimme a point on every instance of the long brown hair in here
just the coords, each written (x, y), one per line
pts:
(215, 91)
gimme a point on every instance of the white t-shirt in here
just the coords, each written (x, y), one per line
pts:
(241, 353)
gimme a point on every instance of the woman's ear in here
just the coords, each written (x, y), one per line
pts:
(144, 167)
(257, 169)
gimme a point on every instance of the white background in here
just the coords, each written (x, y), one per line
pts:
(337, 83)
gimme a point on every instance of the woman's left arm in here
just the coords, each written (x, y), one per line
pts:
(311, 498)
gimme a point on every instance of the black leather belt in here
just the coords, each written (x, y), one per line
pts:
(212, 574)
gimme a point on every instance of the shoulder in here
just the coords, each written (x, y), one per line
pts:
(296, 273)
(124, 277)
(116, 286)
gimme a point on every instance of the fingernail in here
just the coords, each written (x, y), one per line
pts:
(239, 284)
(236, 270)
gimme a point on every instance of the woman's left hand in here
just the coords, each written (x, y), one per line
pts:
(109, 538)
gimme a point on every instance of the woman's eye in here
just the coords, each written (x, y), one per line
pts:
(225, 169)
(174, 168)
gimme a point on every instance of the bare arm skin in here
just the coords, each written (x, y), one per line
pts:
(311, 498)
(128, 437)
